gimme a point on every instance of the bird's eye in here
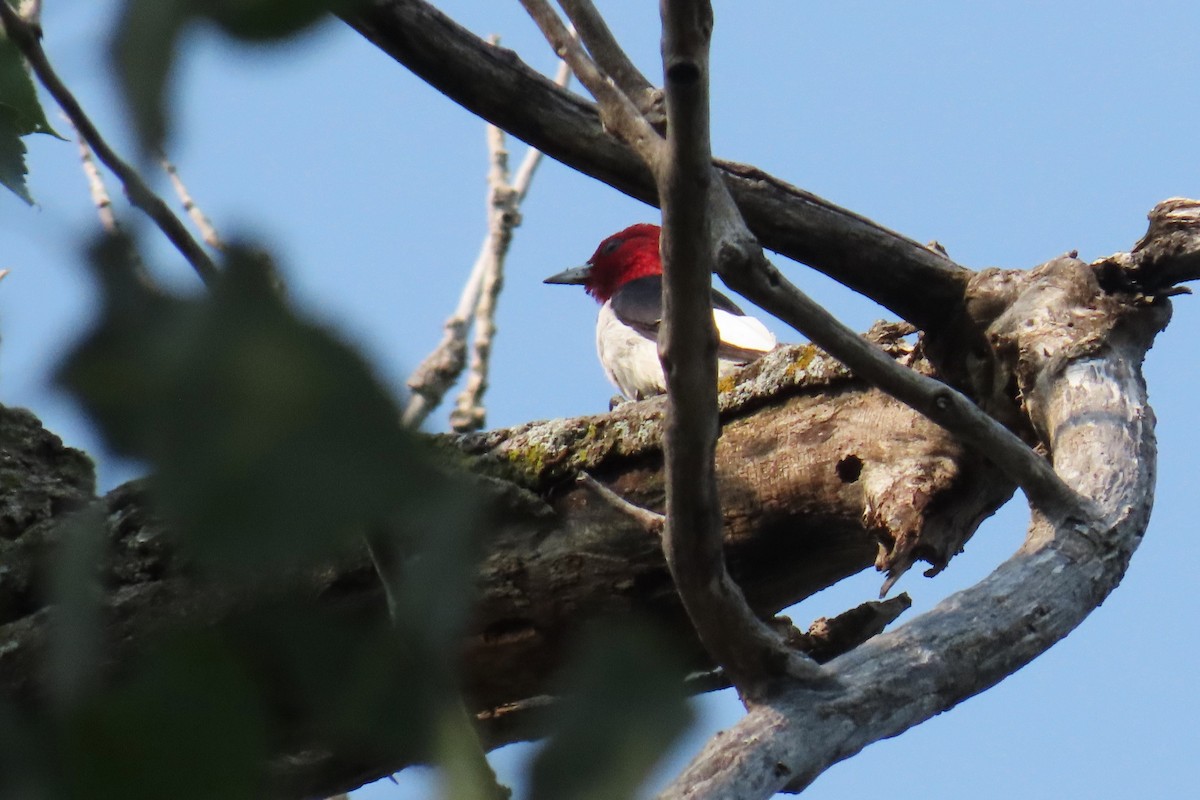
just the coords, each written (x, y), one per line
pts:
(610, 246)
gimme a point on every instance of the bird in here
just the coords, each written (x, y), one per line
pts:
(624, 275)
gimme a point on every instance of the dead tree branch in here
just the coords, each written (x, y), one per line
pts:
(1169, 253)
(99, 193)
(439, 370)
(208, 231)
(617, 112)
(503, 215)
(1079, 363)
(793, 520)
(919, 284)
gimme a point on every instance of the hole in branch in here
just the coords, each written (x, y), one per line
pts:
(849, 469)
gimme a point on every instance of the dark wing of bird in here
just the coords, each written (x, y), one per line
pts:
(638, 304)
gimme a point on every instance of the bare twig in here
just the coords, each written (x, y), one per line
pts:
(208, 231)
(651, 521)
(503, 216)
(617, 112)
(609, 56)
(25, 37)
(753, 654)
(441, 368)
(431, 380)
(96, 187)
(102, 200)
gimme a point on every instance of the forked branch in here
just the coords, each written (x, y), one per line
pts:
(439, 370)
(609, 56)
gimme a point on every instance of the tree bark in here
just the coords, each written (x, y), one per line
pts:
(819, 477)
(1080, 372)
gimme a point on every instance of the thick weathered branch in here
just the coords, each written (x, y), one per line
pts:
(1072, 341)
(918, 283)
(810, 490)
(933, 398)
(1167, 255)
(1080, 359)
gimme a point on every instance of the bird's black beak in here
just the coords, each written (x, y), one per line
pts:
(575, 276)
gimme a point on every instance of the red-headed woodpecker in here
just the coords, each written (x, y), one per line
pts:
(625, 277)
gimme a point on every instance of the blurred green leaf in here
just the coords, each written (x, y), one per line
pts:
(12, 156)
(17, 92)
(265, 20)
(143, 59)
(622, 705)
(360, 686)
(270, 441)
(147, 36)
(187, 724)
(465, 772)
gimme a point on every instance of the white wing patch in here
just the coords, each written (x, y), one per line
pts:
(743, 332)
(630, 357)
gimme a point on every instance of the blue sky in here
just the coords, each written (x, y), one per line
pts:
(1009, 132)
